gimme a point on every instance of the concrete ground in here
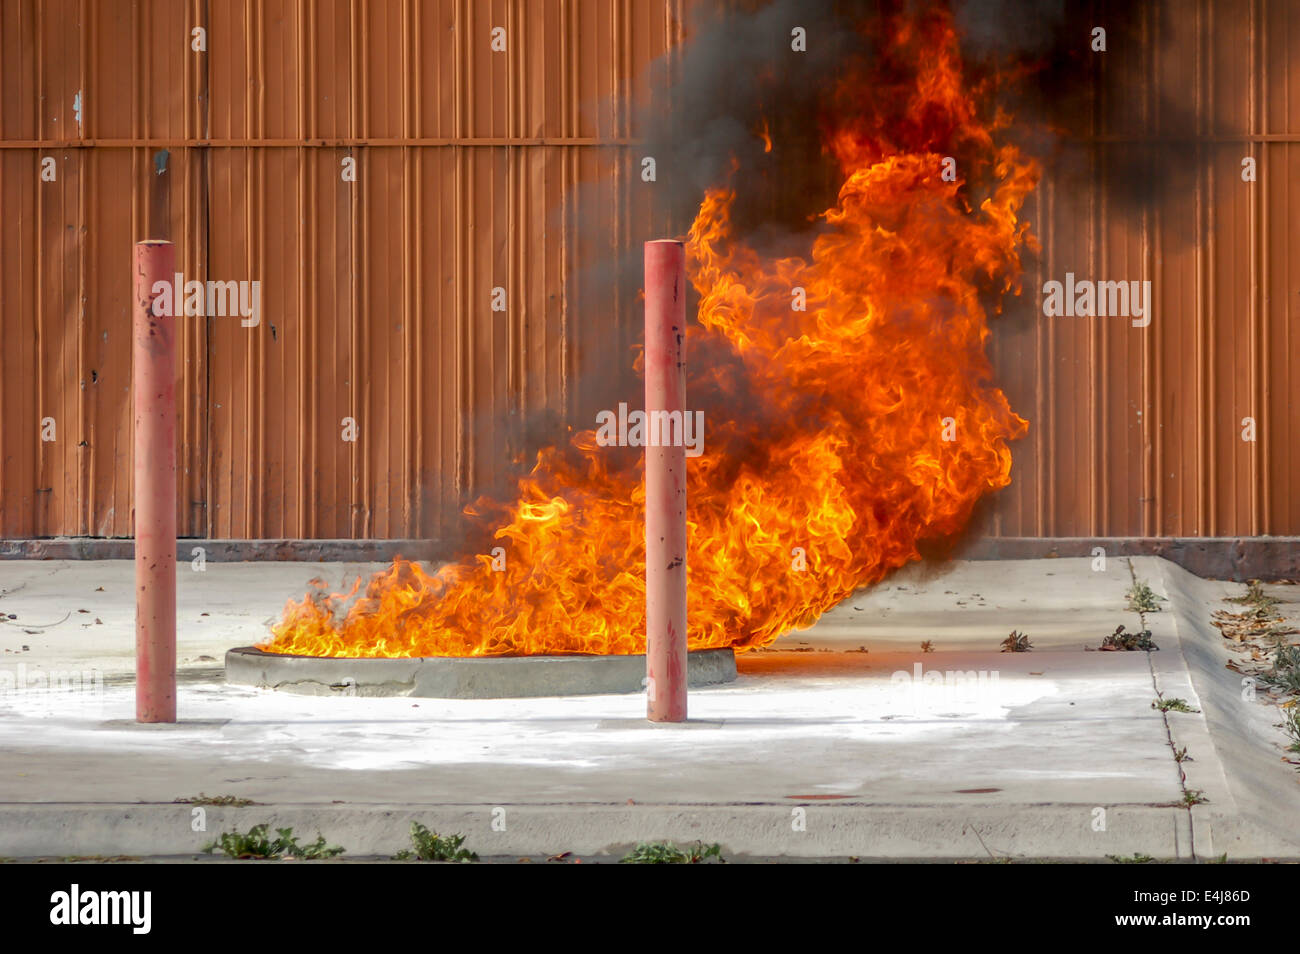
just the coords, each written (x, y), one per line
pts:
(842, 740)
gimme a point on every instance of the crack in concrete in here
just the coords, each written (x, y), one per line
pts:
(1169, 735)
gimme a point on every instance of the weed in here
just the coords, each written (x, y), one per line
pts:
(1017, 642)
(1287, 680)
(430, 846)
(1134, 859)
(1121, 641)
(1221, 860)
(1286, 657)
(1285, 672)
(1173, 705)
(255, 844)
(667, 853)
(234, 801)
(1143, 599)
(1291, 726)
(1277, 635)
(1254, 596)
(1194, 796)
(1180, 755)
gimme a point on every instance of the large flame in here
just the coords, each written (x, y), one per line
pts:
(837, 436)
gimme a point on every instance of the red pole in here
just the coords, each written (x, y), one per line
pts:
(665, 483)
(154, 391)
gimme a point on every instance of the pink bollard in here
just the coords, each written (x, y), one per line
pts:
(665, 483)
(153, 372)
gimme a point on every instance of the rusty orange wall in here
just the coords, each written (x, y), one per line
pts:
(1138, 431)
(474, 168)
(376, 294)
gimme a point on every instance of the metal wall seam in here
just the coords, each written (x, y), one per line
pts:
(1261, 255)
(1152, 420)
(1204, 473)
(41, 519)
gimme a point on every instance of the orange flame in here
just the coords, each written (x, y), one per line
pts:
(859, 414)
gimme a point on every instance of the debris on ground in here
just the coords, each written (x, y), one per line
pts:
(1272, 658)
(1017, 642)
(1122, 641)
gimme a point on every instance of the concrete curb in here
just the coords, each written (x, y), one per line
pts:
(1252, 797)
(1231, 558)
(502, 677)
(232, 551)
(886, 832)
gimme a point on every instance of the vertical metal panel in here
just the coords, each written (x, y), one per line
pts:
(480, 169)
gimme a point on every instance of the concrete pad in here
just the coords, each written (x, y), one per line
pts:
(57, 604)
(893, 768)
(1055, 753)
(1063, 604)
(463, 678)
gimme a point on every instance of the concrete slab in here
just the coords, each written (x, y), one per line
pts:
(463, 678)
(888, 753)
(1062, 604)
(81, 615)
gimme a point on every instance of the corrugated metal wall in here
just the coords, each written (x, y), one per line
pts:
(376, 293)
(473, 168)
(1138, 431)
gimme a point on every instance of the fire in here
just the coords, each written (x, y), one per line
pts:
(848, 399)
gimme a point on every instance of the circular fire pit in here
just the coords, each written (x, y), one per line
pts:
(473, 677)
